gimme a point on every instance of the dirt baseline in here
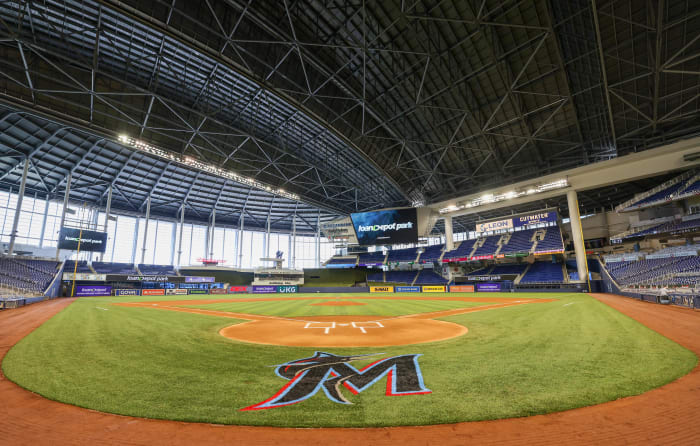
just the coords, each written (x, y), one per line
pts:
(660, 416)
(339, 331)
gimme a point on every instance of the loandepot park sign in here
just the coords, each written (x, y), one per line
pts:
(517, 222)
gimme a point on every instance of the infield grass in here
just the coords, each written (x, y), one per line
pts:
(515, 361)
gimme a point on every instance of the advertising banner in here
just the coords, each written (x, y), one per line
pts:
(394, 226)
(92, 241)
(489, 278)
(93, 290)
(175, 291)
(455, 259)
(218, 291)
(534, 219)
(486, 257)
(153, 292)
(287, 289)
(144, 278)
(195, 279)
(197, 291)
(407, 289)
(238, 289)
(339, 229)
(84, 276)
(434, 289)
(494, 225)
(125, 292)
(488, 287)
(461, 288)
(381, 289)
(264, 289)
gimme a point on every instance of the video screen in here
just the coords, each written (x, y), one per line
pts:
(89, 241)
(386, 227)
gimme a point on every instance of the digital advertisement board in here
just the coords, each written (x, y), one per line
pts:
(238, 289)
(386, 227)
(92, 241)
(517, 222)
(461, 288)
(93, 290)
(407, 289)
(488, 287)
(127, 292)
(433, 289)
(175, 291)
(264, 289)
(153, 292)
(381, 289)
(196, 279)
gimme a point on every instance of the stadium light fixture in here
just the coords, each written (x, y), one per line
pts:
(494, 198)
(194, 163)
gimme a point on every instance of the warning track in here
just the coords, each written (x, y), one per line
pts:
(661, 416)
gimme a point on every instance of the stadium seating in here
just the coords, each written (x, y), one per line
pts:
(342, 261)
(429, 277)
(692, 189)
(544, 272)
(432, 253)
(690, 224)
(552, 240)
(372, 258)
(114, 268)
(400, 276)
(653, 271)
(26, 276)
(661, 195)
(461, 252)
(402, 255)
(508, 268)
(520, 241)
(83, 267)
(489, 247)
(167, 270)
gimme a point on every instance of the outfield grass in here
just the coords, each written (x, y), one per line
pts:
(515, 361)
(371, 307)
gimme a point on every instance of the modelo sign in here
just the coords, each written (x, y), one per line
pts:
(392, 226)
(92, 241)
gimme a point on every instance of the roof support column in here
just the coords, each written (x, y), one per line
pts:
(18, 209)
(108, 209)
(318, 240)
(449, 236)
(63, 212)
(145, 230)
(577, 235)
(240, 241)
(267, 238)
(211, 230)
(179, 244)
(43, 224)
(294, 241)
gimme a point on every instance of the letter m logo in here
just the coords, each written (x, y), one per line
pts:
(329, 372)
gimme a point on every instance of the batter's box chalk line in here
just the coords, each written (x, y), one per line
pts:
(327, 326)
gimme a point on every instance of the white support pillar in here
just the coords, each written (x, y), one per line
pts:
(240, 241)
(63, 212)
(294, 241)
(212, 230)
(18, 209)
(318, 240)
(267, 241)
(108, 209)
(577, 235)
(145, 229)
(449, 235)
(43, 224)
(179, 244)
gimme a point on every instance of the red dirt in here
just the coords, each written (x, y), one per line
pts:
(662, 416)
(337, 303)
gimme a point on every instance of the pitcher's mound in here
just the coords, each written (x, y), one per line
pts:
(338, 303)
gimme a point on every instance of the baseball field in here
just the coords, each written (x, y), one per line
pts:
(314, 360)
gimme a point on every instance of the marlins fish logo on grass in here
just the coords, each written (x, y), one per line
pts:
(329, 372)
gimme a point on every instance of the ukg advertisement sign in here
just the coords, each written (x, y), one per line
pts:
(287, 289)
(93, 290)
(264, 289)
(392, 226)
(488, 287)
